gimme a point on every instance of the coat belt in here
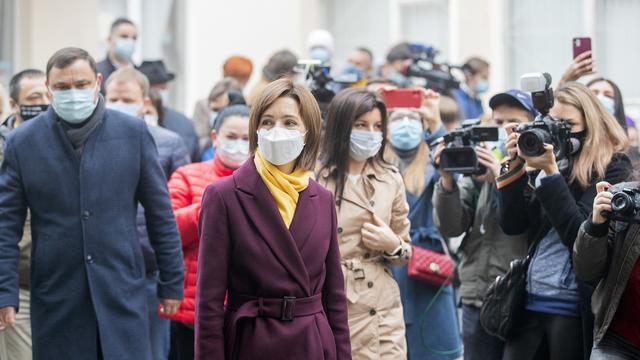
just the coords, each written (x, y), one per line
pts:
(285, 309)
(355, 270)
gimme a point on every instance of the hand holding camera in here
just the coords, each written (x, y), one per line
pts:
(489, 161)
(602, 203)
(446, 177)
(620, 202)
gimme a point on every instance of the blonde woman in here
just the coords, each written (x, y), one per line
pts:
(430, 313)
(550, 203)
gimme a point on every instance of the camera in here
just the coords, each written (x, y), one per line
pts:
(459, 154)
(317, 77)
(436, 75)
(544, 129)
(625, 203)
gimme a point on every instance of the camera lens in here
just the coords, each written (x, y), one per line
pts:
(621, 203)
(531, 142)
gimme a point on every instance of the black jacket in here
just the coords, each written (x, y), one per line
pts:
(562, 205)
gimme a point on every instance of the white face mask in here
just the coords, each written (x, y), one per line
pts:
(364, 144)
(233, 153)
(151, 120)
(127, 108)
(280, 146)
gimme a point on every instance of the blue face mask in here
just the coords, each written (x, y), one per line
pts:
(481, 86)
(322, 54)
(74, 105)
(406, 134)
(124, 48)
(608, 103)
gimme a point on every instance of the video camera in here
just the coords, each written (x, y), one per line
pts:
(625, 203)
(317, 77)
(544, 129)
(459, 154)
(437, 75)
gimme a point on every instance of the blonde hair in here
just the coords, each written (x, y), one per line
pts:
(414, 174)
(127, 74)
(604, 136)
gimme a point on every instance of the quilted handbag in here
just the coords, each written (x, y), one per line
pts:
(431, 267)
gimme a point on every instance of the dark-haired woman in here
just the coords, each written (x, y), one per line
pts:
(268, 242)
(373, 228)
(432, 330)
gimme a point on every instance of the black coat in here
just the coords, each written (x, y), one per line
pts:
(87, 271)
(106, 68)
(561, 205)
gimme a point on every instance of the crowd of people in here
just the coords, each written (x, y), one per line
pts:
(271, 226)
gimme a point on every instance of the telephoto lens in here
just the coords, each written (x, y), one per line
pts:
(531, 142)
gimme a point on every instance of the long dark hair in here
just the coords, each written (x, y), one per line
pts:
(617, 101)
(344, 109)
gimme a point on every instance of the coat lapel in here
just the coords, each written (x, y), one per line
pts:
(261, 208)
(304, 218)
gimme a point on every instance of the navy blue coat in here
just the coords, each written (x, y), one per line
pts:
(87, 272)
(440, 330)
(181, 125)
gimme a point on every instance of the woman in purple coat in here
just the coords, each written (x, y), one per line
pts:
(268, 241)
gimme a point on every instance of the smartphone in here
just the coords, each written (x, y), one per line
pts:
(581, 45)
(402, 98)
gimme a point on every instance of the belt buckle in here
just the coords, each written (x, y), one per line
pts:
(288, 308)
(358, 274)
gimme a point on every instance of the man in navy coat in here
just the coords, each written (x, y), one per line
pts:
(82, 169)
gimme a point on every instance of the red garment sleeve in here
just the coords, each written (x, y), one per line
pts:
(185, 212)
(212, 277)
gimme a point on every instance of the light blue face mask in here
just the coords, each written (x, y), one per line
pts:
(498, 146)
(127, 108)
(406, 134)
(322, 54)
(608, 103)
(124, 48)
(74, 105)
(482, 86)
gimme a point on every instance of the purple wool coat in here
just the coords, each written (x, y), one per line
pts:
(247, 251)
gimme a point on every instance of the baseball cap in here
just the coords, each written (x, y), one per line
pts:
(513, 97)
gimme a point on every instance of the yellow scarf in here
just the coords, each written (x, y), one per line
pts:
(284, 188)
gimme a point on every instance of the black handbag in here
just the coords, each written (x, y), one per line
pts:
(504, 301)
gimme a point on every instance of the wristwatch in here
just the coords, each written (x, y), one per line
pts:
(396, 252)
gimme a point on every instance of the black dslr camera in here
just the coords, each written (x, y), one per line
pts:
(459, 154)
(625, 203)
(544, 129)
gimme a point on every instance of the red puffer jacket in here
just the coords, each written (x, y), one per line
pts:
(186, 187)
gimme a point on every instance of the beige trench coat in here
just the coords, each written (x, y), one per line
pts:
(376, 319)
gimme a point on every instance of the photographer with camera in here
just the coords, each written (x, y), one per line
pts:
(476, 82)
(550, 203)
(429, 309)
(606, 252)
(470, 206)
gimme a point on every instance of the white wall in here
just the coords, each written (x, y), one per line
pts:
(215, 30)
(46, 26)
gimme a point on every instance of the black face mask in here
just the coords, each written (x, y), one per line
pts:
(28, 112)
(577, 140)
